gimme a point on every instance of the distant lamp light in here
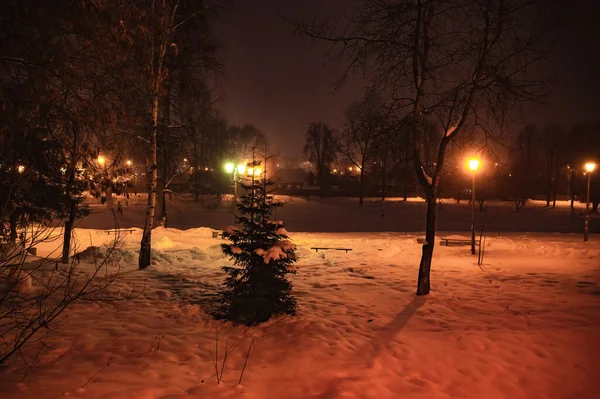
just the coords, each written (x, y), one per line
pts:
(473, 164)
(20, 168)
(590, 167)
(101, 160)
(229, 167)
(257, 171)
(128, 163)
(241, 168)
(206, 170)
(185, 159)
(250, 171)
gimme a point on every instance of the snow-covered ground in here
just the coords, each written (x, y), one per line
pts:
(315, 214)
(526, 325)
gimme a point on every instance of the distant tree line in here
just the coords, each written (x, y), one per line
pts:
(369, 157)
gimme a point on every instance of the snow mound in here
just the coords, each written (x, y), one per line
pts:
(164, 243)
(98, 254)
(177, 256)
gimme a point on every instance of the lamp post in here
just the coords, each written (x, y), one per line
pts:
(473, 165)
(240, 170)
(589, 168)
(230, 168)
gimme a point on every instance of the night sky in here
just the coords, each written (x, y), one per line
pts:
(280, 82)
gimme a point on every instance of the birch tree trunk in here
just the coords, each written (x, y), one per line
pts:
(69, 194)
(144, 258)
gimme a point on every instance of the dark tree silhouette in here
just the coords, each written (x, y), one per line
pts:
(320, 148)
(462, 64)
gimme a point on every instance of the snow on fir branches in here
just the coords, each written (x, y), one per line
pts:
(262, 254)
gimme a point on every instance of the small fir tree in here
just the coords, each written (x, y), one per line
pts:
(257, 287)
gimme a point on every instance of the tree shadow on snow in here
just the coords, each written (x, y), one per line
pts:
(368, 355)
(387, 334)
(185, 290)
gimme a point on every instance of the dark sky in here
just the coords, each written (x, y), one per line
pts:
(280, 82)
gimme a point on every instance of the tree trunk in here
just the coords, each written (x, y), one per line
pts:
(572, 187)
(68, 194)
(163, 210)
(146, 244)
(13, 227)
(423, 285)
(407, 146)
(549, 183)
(361, 186)
(195, 170)
(554, 192)
(68, 234)
(383, 184)
(161, 197)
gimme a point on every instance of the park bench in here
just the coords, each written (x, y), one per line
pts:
(451, 242)
(332, 249)
(109, 232)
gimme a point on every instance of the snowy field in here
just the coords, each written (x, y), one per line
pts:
(526, 325)
(315, 214)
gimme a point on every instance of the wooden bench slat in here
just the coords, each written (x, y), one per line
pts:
(327, 248)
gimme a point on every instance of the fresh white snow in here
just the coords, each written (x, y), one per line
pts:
(525, 325)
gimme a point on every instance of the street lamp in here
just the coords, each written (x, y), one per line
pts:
(230, 168)
(101, 160)
(589, 168)
(20, 168)
(128, 163)
(237, 171)
(473, 164)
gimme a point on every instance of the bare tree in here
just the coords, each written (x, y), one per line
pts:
(157, 26)
(523, 165)
(320, 148)
(360, 136)
(462, 64)
(552, 140)
(36, 292)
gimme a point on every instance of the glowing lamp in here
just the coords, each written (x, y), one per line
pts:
(241, 169)
(101, 160)
(229, 167)
(473, 164)
(590, 166)
(20, 168)
(128, 163)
